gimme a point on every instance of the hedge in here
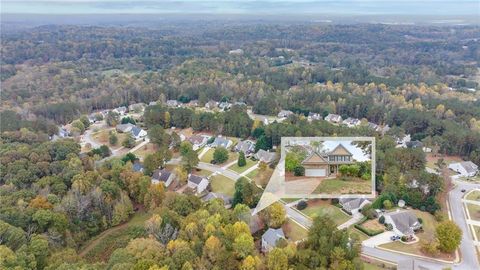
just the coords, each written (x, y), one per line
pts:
(366, 231)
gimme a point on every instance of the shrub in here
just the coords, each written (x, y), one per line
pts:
(404, 238)
(299, 171)
(382, 220)
(387, 204)
(220, 155)
(302, 205)
(366, 230)
(420, 220)
(388, 227)
(370, 213)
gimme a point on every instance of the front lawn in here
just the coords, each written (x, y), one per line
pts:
(293, 231)
(319, 207)
(222, 184)
(238, 169)
(102, 137)
(338, 186)
(145, 150)
(208, 156)
(474, 211)
(261, 177)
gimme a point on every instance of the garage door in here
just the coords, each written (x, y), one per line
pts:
(315, 172)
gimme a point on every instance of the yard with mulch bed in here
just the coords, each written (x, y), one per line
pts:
(338, 186)
(318, 207)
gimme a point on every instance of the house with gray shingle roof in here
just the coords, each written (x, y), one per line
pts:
(353, 205)
(227, 201)
(138, 133)
(124, 128)
(270, 238)
(404, 223)
(163, 176)
(265, 156)
(333, 118)
(221, 142)
(197, 183)
(464, 168)
(284, 114)
(247, 147)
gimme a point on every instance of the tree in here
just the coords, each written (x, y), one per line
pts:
(128, 119)
(189, 157)
(243, 245)
(387, 204)
(154, 196)
(122, 210)
(163, 231)
(241, 159)
(275, 215)
(220, 155)
(85, 121)
(250, 263)
(277, 259)
(449, 236)
(159, 137)
(79, 125)
(112, 138)
(245, 193)
(112, 118)
(129, 157)
(155, 161)
(129, 141)
(299, 171)
(262, 143)
(212, 249)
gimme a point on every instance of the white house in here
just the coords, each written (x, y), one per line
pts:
(225, 105)
(211, 105)
(270, 238)
(352, 122)
(198, 141)
(120, 110)
(137, 107)
(163, 176)
(221, 142)
(333, 118)
(173, 103)
(138, 133)
(314, 116)
(247, 147)
(464, 168)
(197, 183)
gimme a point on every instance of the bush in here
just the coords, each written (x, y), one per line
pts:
(241, 160)
(381, 220)
(387, 204)
(420, 220)
(220, 155)
(370, 213)
(388, 227)
(302, 205)
(404, 238)
(299, 171)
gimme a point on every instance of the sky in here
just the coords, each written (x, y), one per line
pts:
(247, 7)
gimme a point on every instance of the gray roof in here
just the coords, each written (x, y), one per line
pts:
(469, 166)
(351, 203)
(221, 141)
(196, 139)
(195, 179)
(271, 236)
(405, 221)
(414, 144)
(136, 130)
(245, 146)
(213, 195)
(161, 175)
(265, 156)
(137, 167)
(125, 127)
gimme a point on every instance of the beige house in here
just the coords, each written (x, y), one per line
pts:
(327, 164)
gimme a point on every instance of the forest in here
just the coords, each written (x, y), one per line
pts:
(54, 199)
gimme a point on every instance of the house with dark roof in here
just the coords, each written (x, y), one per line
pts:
(464, 168)
(265, 156)
(327, 164)
(137, 167)
(221, 141)
(333, 118)
(353, 205)
(198, 184)
(270, 239)
(163, 176)
(246, 146)
(138, 133)
(404, 223)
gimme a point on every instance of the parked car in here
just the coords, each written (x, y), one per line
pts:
(395, 238)
(463, 190)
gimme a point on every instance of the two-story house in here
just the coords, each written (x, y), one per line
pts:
(327, 164)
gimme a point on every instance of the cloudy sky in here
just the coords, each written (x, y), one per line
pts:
(335, 7)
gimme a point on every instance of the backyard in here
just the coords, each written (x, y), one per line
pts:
(208, 156)
(143, 151)
(238, 169)
(222, 184)
(293, 231)
(102, 137)
(474, 211)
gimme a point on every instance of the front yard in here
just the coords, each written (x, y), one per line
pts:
(474, 211)
(208, 156)
(338, 186)
(320, 207)
(145, 150)
(474, 195)
(238, 169)
(222, 184)
(102, 137)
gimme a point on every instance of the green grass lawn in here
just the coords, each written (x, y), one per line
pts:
(293, 231)
(253, 173)
(338, 186)
(322, 208)
(222, 184)
(474, 211)
(208, 156)
(238, 169)
(354, 231)
(474, 195)
(102, 246)
(477, 231)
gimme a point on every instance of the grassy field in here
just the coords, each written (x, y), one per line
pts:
(102, 137)
(474, 195)
(431, 160)
(321, 208)
(428, 234)
(149, 148)
(261, 177)
(338, 186)
(208, 156)
(474, 211)
(293, 231)
(222, 184)
(238, 169)
(354, 231)
(102, 246)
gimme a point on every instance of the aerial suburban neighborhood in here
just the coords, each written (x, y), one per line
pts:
(239, 135)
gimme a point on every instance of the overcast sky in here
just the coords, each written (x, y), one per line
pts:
(271, 7)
